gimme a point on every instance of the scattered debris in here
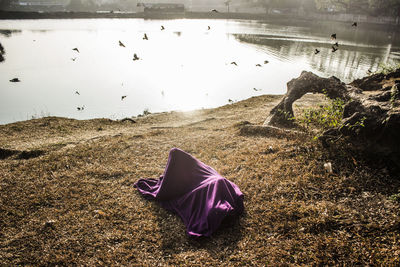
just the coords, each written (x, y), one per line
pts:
(328, 167)
(100, 213)
(49, 224)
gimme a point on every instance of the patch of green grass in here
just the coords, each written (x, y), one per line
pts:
(387, 68)
(395, 197)
(323, 117)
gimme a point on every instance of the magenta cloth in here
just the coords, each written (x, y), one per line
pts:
(194, 191)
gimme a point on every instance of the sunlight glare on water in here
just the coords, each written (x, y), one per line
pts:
(186, 66)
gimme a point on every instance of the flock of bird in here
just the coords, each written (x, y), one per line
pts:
(135, 57)
(334, 47)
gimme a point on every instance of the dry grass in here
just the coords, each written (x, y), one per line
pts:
(74, 202)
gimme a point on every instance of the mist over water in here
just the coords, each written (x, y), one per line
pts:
(185, 66)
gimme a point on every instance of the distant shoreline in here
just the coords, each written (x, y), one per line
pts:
(389, 21)
(144, 15)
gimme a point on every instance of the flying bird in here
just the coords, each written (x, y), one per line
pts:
(121, 44)
(208, 27)
(233, 63)
(73, 58)
(214, 10)
(76, 92)
(80, 108)
(255, 89)
(145, 37)
(334, 49)
(258, 65)
(75, 49)
(230, 100)
(123, 97)
(135, 57)
(162, 27)
(15, 80)
(354, 24)
(316, 51)
(333, 36)
(266, 61)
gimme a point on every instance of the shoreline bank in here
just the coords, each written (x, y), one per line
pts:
(67, 195)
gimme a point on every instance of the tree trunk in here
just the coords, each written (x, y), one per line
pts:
(308, 82)
(371, 121)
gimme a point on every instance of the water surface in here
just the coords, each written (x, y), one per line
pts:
(186, 66)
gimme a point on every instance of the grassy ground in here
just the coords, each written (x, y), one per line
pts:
(67, 196)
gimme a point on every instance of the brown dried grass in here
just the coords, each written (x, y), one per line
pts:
(74, 203)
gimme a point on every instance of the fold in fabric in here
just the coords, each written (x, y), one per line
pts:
(194, 191)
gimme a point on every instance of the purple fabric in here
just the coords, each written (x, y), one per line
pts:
(195, 191)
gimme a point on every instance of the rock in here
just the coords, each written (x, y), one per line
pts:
(49, 224)
(372, 123)
(370, 83)
(374, 82)
(328, 167)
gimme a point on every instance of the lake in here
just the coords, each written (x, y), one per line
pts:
(185, 66)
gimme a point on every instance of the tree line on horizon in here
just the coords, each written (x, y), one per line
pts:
(369, 7)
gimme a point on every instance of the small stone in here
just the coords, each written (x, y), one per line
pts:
(328, 167)
(49, 223)
(100, 212)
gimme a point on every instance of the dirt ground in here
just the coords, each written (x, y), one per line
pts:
(67, 195)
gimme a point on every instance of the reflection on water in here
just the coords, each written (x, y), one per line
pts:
(185, 66)
(350, 61)
(361, 49)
